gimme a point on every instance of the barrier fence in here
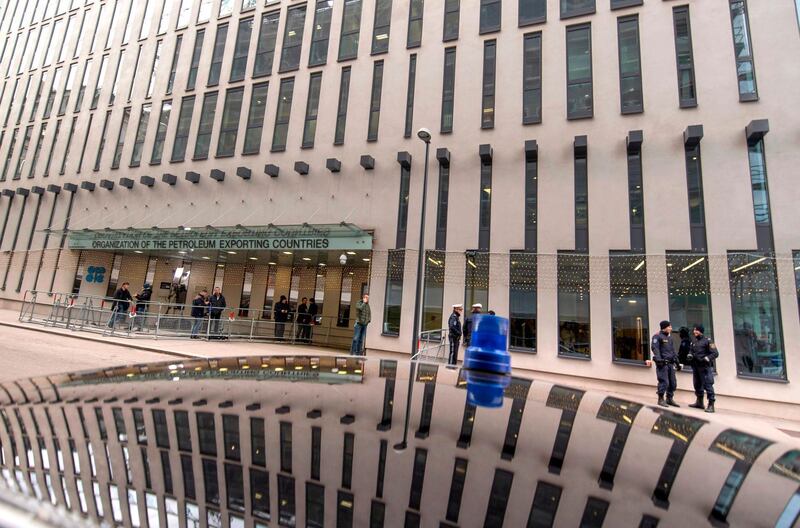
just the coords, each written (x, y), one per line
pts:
(165, 320)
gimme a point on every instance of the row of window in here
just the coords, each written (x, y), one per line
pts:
(579, 96)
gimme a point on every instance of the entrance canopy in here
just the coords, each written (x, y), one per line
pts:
(305, 237)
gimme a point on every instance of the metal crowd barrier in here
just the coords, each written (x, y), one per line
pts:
(168, 320)
(433, 346)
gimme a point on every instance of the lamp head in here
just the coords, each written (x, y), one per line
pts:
(424, 134)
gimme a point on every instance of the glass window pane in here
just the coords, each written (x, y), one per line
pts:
(433, 296)
(629, 323)
(375, 101)
(341, 112)
(206, 126)
(394, 292)
(217, 55)
(573, 305)
(570, 8)
(241, 49)
(282, 115)
(321, 33)
(522, 301)
(255, 119)
(229, 128)
(312, 107)
(476, 280)
(415, 12)
(351, 27)
(490, 15)
(293, 38)
(267, 37)
(381, 26)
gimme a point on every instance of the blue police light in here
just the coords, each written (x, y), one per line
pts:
(487, 363)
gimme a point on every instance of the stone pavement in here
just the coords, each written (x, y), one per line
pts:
(49, 350)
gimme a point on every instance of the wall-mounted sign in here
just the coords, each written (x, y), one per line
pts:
(95, 274)
(314, 238)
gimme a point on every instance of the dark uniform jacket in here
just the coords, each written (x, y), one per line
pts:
(142, 298)
(122, 300)
(217, 303)
(702, 348)
(199, 307)
(454, 326)
(281, 312)
(663, 349)
(468, 327)
(303, 317)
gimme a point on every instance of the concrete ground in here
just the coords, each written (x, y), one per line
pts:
(34, 350)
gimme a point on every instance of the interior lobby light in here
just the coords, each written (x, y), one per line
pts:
(693, 264)
(753, 263)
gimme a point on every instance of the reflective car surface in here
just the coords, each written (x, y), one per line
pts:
(319, 441)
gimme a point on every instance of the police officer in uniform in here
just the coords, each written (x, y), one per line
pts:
(701, 357)
(454, 333)
(666, 363)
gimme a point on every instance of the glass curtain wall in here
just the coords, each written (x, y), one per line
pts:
(689, 294)
(574, 337)
(433, 296)
(476, 280)
(629, 322)
(522, 301)
(394, 292)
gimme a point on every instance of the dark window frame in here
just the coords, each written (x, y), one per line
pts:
(414, 20)
(565, 13)
(267, 43)
(351, 8)
(187, 100)
(308, 134)
(230, 133)
(287, 63)
(378, 46)
(746, 96)
(376, 93)
(448, 81)
(532, 43)
(320, 34)
(486, 5)
(489, 83)
(205, 127)
(590, 79)
(680, 10)
(254, 121)
(411, 88)
(638, 108)
(532, 20)
(449, 12)
(241, 48)
(620, 4)
(341, 108)
(217, 55)
(284, 98)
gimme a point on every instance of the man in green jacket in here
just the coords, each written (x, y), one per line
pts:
(363, 317)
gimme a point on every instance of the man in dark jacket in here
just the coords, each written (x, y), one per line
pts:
(363, 318)
(121, 304)
(281, 312)
(198, 312)
(702, 356)
(477, 308)
(303, 322)
(666, 362)
(217, 304)
(454, 333)
(142, 301)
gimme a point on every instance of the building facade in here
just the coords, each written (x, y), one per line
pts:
(595, 166)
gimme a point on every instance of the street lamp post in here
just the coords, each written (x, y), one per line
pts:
(425, 135)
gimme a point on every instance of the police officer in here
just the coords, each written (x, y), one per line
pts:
(477, 308)
(666, 362)
(701, 357)
(454, 333)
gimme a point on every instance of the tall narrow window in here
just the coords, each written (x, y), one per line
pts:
(757, 326)
(381, 26)
(38, 96)
(114, 85)
(182, 130)
(316, 452)
(51, 94)
(241, 49)
(394, 292)
(282, 115)
(152, 82)
(173, 69)
(70, 137)
(111, 24)
(759, 185)
(498, 498)
(321, 33)
(225, 8)
(81, 34)
(195, 64)
(742, 48)
(85, 142)
(689, 291)
(166, 11)
(10, 153)
(341, 109)
(37, 151)
(522, 301)
(684, 56)
(102, 145)
(293, 39)
(135, 71)
(579, 72)
(490, 16)
(217, 55)
(532, 12)
(375, 101)
(489, 68)
(629, 322)
(255, 119)
(141, 133)
(62, 53)
(452, 17)
(99, 85)
(574, 8)
(123, 128)
(573, 305)
(52, 149)
(184, 14)
(412, 81)
(476, 278)
(532, 79)
(226, 146)
(448, 90)
(630, 66)
(351, 28)
(433, 292)
(485, 200)
(147, 18)
(312, 107)
(415, 12)
(23, 153)
(265, 51)
(126, 36)
(24, 99)
(206, 126)
(204, 13)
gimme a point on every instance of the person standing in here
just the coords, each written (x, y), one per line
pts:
(666, 362)
(198, 312)
(454, 333)
(142, 301)
(702, 355)
(303, 322)
(468, 322)
(122, 302)
(363, 317)
(281, 316)
(216, 304)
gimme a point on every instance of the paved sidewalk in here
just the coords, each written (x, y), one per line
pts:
(154, 349)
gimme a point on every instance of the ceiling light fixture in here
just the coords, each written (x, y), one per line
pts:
(693, 264)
